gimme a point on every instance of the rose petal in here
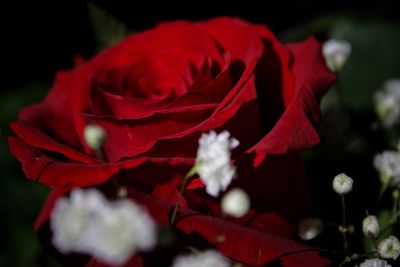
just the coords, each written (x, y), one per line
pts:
(296, 129)
(282, 176)
(130, 108)
(230, 116)
(171, 34)
(130, 138)
(38, 139)
(65, 101)
(255, 248)
(42, 167)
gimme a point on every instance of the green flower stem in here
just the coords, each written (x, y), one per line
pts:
(355, 257)
(220, 238)
(384, 187)
(121, 190)
(193, 249)
(339, 90)
(192, 172)
(99, 154)
(396, 194)
(344, 225)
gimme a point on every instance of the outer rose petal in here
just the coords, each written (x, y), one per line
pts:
(39, 166)
(296, 129)
(38, 139)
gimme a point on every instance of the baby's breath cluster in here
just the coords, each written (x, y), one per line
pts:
(112, 232)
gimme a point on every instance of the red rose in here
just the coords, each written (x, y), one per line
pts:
(155, 93)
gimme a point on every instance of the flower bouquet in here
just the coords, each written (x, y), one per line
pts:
(181, 146)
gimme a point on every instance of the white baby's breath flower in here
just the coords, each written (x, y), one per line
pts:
(214, 161)
(370, 226)
(310, 228)
(389, 248)
(110, 231)
(388, 165)
(209, 258)
(387, 102)
(236, 203)
(72, 217)
(94, 135)
(336, 53)
(121, 230)
(342, 184)
(375, 263)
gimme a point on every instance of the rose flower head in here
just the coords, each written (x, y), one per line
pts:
(155, 94)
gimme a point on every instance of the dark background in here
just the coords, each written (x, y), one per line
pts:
(39, 37)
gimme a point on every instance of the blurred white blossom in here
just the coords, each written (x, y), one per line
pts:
(236, 203)
(370, 226)
(209, 258)
(389, 248)
(388, 165)
(342, 184)
(214, 161)
(94, 135)
(121, 230)
(110, 231)
(310, 228)
(72, 217)
(375, 263)
(336, 53)
(387, 102)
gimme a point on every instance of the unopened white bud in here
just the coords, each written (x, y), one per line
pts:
(389, 248)
(336, 53)
(95, 136)
(371, 226)
(310, 228)
(236, 203)
(342, 184)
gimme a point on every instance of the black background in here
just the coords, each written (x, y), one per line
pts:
(40, 37)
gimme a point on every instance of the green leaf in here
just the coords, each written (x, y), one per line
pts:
(108, 30)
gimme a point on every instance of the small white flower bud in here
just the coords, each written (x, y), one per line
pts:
(310, 228)
(375, 263)
(342, 184)
(336, 53)
(371, 226)
(236, 203)
(95, 136)
(389, 248)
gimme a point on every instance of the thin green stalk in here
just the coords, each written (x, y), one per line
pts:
(384, 187)
(344, 225)
(99, 154)
(395, 206)
(181, 190)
